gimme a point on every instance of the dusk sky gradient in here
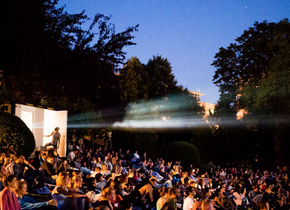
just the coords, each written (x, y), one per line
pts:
(187, 32)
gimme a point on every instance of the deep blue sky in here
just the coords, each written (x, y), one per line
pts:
(187, 32)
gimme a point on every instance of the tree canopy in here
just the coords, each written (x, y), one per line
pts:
(253, 74)
(47, 57)
(147, 81)
(247, 71)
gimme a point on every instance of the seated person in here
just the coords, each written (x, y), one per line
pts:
(10, 163)
(71, 157)
(8, 199)
(28, 203)
(2, 157)
(108, 163)
(3, 174)
(104, 170)
(144, 166)
(117, 169)
(134, 162)
(91, 185)
(124, 186)
(49, 169)
(108, 198)
(77, 163)
(78, 187)
(222, 201)
(38, 159)
(26, 171)
(75, 175)
(100, 181)
(144, 194)
(67, 198)
(92, 192)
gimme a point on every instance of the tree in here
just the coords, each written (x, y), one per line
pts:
(134, 81)
(51, 59)
(245, 62)
(144, 82)
(253, 74)
(161, 79)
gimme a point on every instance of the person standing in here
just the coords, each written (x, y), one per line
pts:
(55, 140)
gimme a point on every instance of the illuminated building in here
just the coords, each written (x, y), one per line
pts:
(208, 107)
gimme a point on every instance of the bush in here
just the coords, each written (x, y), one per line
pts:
(14, 131)
(141, 140)
(182, 151)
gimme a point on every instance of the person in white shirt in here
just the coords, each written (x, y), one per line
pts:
(164, 193)
(223, 173)
(69, 147)
(188, 203)
(137, 156)
(239, 194)
(108, 163)
(71, 156)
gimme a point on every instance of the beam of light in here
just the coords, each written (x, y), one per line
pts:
(172, 103)
(169, 112)
(154, 123)
(172, 123)
(174, 111)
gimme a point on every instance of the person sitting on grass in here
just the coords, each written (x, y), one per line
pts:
(66, 198)
(28, 203)
(8, 199)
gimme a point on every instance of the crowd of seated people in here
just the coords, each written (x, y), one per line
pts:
(115, 180)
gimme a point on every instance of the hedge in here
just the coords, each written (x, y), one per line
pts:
(14, 131)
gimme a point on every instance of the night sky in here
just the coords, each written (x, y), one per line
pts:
(187, 32)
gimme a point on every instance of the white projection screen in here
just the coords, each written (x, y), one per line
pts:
(42, 122)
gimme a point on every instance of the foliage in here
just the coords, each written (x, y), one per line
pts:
(136, 139)
(249, 71)
(168, 102)
(182, 151)
(150, 141)
(4, 93)
(14, 131)
(134, 81)
(51, 59)
(153, 80)
(161, 79)
(253, 74)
